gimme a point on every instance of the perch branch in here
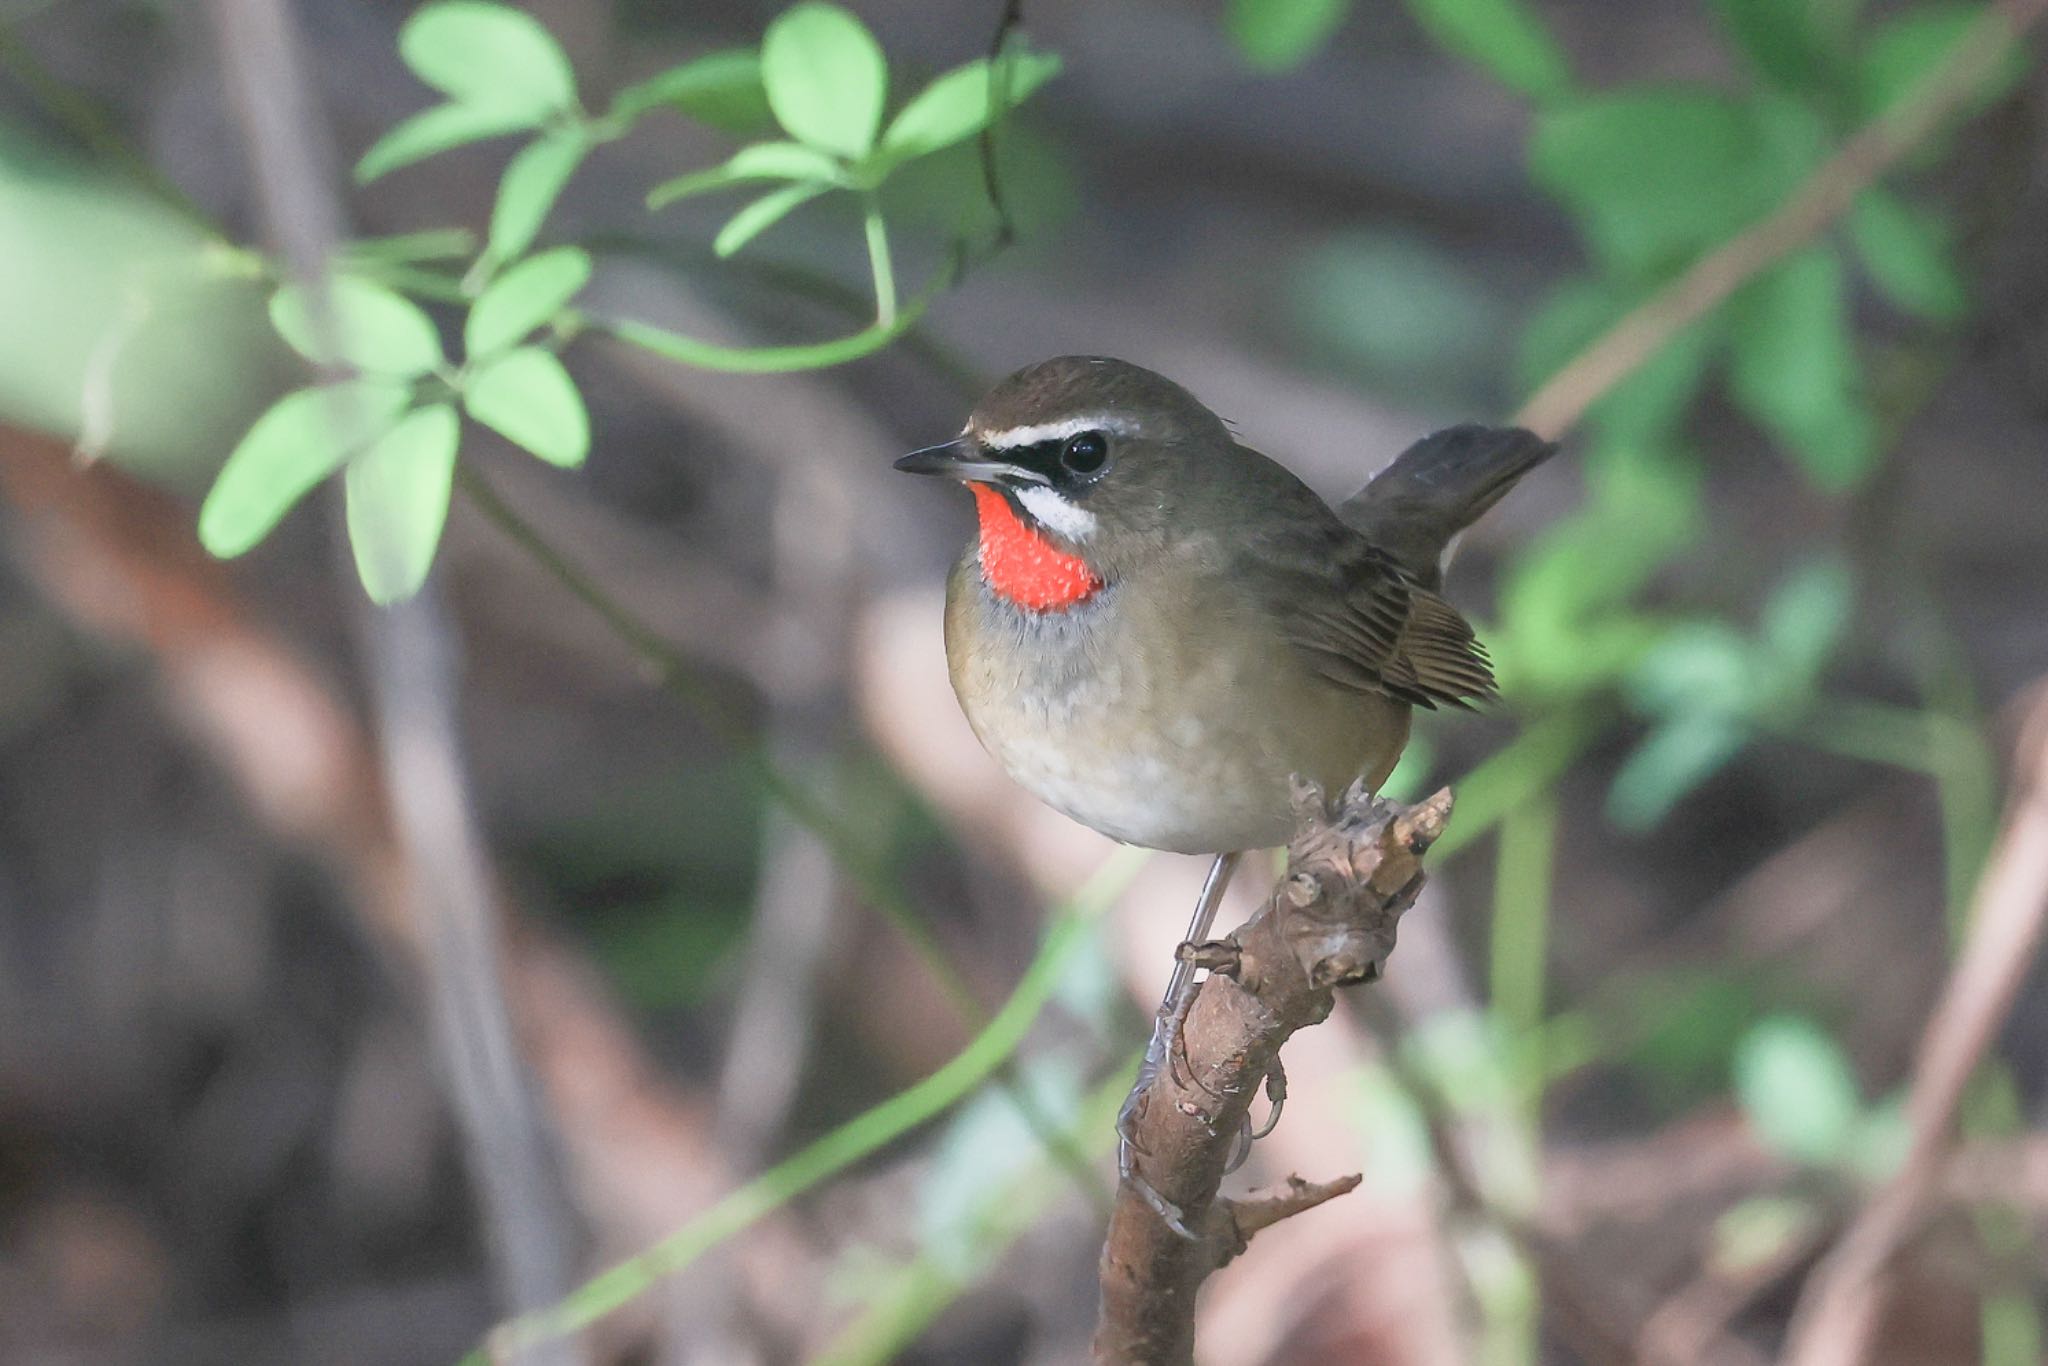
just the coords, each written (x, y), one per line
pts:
(1354, 866)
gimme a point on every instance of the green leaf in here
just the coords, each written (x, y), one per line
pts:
(523, 298)
(1401, 311)
(436, 130)
(1795, 370)
(762, 161)
(1698, 667)
(762, 214)
(1782, 39)
(1685, 1024)
(298, 441)
(1803, 620)
(405, 248)
(1503, 36)
(722, 89)
(372, 328)
(696, 182)
(956, 105)
(1656, 176)
(532, 182)
(1906, 49)
(398, 501)
(1274, 35)
(1675, 758)
(1906, 252)
(826, 77)
(489, 56)
(1567, 598)
(528, 398)
(1797, 1090)
(947, 191)
(785, 161)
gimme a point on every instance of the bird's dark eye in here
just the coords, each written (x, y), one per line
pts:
(1084, 453)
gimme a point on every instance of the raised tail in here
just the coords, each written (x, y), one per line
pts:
(1436, 488)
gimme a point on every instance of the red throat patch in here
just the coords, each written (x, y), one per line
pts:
(1021, 565)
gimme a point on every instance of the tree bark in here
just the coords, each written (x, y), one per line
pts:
(1353, 867)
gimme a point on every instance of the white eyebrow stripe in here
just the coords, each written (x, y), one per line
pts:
(1014, 437)
(1055, 512)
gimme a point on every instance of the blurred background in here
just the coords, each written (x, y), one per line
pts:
(1768, 630)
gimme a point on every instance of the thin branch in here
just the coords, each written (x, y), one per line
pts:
(998, 100)
(408, 659)
(797, 892)
(796, 281)
(1352, 870)
(1838, 1313)
(1826, 194)
(760, 360)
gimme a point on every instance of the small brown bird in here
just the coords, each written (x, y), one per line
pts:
(1157, 626)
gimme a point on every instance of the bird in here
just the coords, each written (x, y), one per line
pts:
(1156, 628)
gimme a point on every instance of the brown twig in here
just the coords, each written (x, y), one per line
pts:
(991, 182)
(1838, 1313)
(511, 1150)
(1352, 870)
(1564, 398)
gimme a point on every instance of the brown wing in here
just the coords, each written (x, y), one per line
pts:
(1363, 623)
(1359, 617)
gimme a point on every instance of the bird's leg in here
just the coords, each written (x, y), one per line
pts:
(1166, 1026)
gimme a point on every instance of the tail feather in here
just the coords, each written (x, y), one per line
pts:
(1436, 488)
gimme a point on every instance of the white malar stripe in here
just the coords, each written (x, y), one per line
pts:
(1013, 437)
(1057, 514)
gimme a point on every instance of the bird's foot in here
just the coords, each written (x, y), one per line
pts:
(1160, 1052)
(1276, 1095)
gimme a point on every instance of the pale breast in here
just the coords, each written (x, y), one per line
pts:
(1158, 735)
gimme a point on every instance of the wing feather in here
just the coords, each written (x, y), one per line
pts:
(1360, 618)
(1370, 627)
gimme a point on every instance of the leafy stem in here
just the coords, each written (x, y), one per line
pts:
(878, 258)
(890, 323)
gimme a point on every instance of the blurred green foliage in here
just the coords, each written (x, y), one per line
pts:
(148, 340)
(1591, 634)
(394, 429)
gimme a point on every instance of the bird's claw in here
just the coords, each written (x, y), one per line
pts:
(1276, 1093)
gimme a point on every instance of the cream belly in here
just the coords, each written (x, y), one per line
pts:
(1150, 738)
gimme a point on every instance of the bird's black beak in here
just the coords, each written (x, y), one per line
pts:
(963, 458)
